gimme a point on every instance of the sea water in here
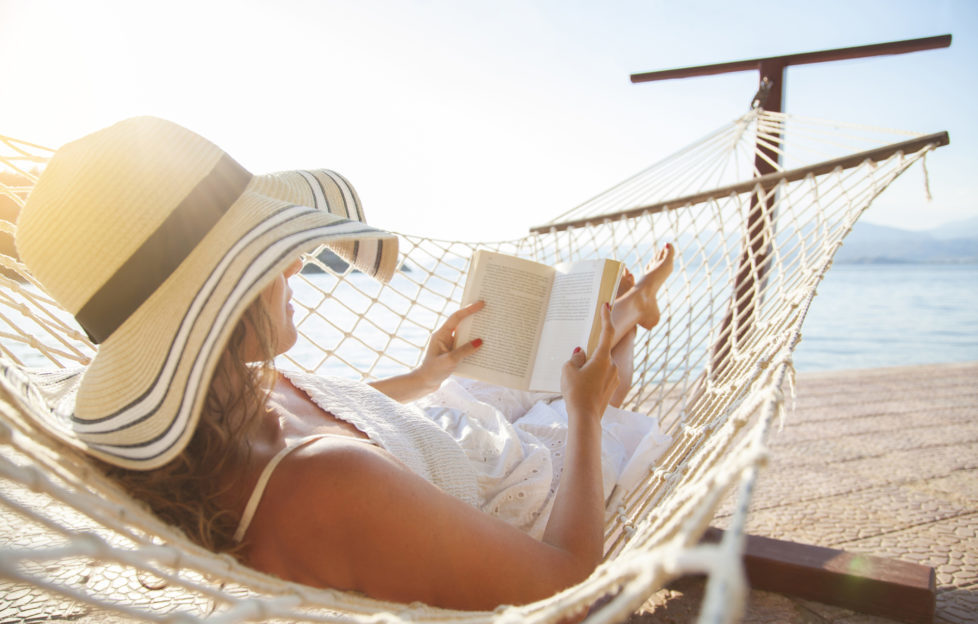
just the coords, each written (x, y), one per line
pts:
(877, 315)
(864, 316)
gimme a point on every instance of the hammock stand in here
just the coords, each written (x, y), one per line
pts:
(76, 546)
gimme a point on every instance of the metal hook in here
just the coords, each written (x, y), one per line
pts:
(761, 96)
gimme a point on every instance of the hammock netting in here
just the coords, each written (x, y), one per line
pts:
(751, 251)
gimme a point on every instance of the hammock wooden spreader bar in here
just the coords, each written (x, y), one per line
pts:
(765, 182)
(889, 588)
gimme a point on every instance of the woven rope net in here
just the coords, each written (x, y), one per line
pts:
(751, 253)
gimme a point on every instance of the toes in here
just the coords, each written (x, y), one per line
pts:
(660, 258)
(627, 280)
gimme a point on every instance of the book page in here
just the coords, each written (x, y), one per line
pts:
(515, 291)
(569, 318)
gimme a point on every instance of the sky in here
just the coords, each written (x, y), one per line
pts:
(475, 120)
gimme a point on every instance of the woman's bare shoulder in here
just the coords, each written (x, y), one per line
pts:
(315, 484)
(348, 515)
(335, 461)
(314, 500)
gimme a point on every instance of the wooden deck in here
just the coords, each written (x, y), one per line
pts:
(880, 462)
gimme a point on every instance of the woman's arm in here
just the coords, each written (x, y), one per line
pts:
(347, 515)
(587, 386)
(441, 359)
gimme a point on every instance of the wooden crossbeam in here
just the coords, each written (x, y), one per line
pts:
(804, 58)
(878, 586)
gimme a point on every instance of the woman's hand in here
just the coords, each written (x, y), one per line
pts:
(442, 356)
(440, 360)
(577, 518)
(587, 384)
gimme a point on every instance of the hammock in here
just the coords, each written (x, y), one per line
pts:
(751, 253)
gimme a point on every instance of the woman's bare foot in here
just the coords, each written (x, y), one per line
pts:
(636, 305)
(648, 286)
(641, 298)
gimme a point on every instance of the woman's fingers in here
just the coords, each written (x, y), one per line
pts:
(603, 348)
(446, 331)
(460, 353)
(578, 358)
(459, 315)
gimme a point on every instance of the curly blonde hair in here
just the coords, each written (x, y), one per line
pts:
(185, 492)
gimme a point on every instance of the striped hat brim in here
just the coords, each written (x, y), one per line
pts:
(157, 241)
(139, 401)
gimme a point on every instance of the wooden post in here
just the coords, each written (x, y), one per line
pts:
(759, 232)
(761, 220)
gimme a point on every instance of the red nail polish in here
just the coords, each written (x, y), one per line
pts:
(477, 343)
(577, 349)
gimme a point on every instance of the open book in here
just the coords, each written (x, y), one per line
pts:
(535, 315)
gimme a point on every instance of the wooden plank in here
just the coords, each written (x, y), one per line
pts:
(766, 182)
(805, 58)
(884, 587)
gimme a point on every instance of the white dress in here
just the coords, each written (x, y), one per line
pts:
(498, 449)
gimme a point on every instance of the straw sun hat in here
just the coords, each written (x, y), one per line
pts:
(157, 241)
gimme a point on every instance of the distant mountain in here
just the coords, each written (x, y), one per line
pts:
(950, 243)
(967, 228)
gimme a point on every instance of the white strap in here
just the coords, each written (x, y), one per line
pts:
(249, 511)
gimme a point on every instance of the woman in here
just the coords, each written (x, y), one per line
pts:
(176, 260)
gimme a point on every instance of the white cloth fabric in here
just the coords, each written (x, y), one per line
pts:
(498, 449)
